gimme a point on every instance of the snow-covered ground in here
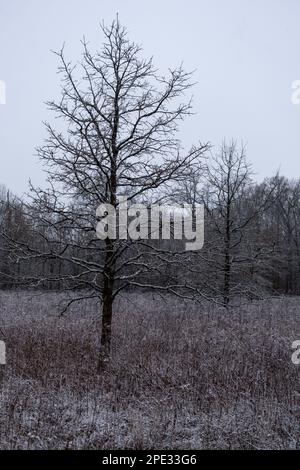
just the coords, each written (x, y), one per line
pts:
(182, 375)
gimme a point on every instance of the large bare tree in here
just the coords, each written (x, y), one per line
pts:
(117, 136)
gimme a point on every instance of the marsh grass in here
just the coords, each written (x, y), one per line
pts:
(182, 376)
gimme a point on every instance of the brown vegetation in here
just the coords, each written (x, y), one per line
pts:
(182, 375)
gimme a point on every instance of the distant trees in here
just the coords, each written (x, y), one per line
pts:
(281, 230)
(264, 250)
(11, 223)
(287, 205)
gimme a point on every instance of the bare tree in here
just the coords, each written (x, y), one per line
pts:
(118, 136)
(235, 204)
(228, 178)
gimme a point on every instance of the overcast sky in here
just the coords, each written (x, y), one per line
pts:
(246, 54)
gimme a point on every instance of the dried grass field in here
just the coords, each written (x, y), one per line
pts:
(183, 376)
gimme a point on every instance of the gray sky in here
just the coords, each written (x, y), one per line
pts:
(246, 52)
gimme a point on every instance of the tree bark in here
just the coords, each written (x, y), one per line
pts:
(227, 265)
(226, 279)
(107, 306)
(105, 347)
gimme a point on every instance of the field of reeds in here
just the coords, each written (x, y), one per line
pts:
(182, 375)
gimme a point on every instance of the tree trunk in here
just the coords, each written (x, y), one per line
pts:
(107, 306)
(226, 280)
(227, 265)
(105, 348)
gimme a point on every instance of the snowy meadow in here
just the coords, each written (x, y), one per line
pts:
(183, 375)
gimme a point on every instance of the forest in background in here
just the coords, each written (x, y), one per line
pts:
(264, 256)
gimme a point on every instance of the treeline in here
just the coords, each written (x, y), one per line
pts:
(251, 244)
